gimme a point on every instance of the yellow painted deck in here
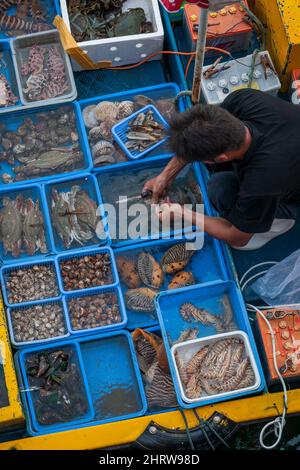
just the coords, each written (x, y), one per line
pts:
(282, 20)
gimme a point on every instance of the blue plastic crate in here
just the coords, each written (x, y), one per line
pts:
(87, 331)
(207, 296)
(18, 344)
(32, 191)
(82, 254)
(120, 130)
(87, 182)
(6, 270)
(31, 395)
(116, 182)
(13, 120)
(109, 365)
(7, 69)
(156, 92)
(206, 264)
(52, 8)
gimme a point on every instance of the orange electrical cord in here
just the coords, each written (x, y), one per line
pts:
(129, 67)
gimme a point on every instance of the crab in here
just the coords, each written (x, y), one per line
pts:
(33, 228)
(11, 225)
(131, 22)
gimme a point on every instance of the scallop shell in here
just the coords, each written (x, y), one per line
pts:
(89, 116)
(106, 129)
(125, 109)
(128, 272)
(182, 279)
(95, 134)
(141, 300)
(176, 258)
(101, 148)
(150, 271)
(140, 101)
(106, 110)
(104, 160)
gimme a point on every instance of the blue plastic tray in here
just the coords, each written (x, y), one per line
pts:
(13, 120)
(156, 92)
(120, 130)
(109, 365)
(207, 296)
(27, 191)
(6, 270)
(115, 326)
(30, 400)
(81, 254)
(18, 344)
(7, 69)
(114, 182)
(53, 8)
(206, 264)
(87, 182)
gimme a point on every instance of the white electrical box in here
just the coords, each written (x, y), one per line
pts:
(124, 50)
(219, 85)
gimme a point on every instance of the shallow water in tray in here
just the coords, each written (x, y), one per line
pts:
(120, 400)
(118, 186)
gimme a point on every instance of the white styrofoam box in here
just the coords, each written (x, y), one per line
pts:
(216, 88)
(188, 349)
(124, 50)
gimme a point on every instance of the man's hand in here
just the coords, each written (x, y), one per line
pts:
(168, 211)
(157, 186)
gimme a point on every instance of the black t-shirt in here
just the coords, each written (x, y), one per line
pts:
(270, 170)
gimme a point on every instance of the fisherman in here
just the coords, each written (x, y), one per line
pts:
(253, 138)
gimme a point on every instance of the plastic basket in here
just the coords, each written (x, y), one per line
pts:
(207, 296)
(188, 349)
(82, 254)
(20, 48)
(14, 120)
(19, 344)
(5, 272)
(97, 329)
(32, 192)
(81, 387)
(89, 184)
(120, 133)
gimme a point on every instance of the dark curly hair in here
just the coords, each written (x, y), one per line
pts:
(204, 132)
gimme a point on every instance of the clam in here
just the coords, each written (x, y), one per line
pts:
(125, 109)
(141, 300)
(150, 271)
(89, 116)
(176, 258)
(106, 110)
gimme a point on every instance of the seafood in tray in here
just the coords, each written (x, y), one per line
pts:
(100, 118)
(87, 271)
(39, 144)
(30, 282)
(142, 132)
(94, 311)
(155, 370)
(74, 216)
(105, 19)
(22, 226)
(145, 273)
(216, 365)
(18, 17)
(38, 322)
(43, 73)
(57, 390)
